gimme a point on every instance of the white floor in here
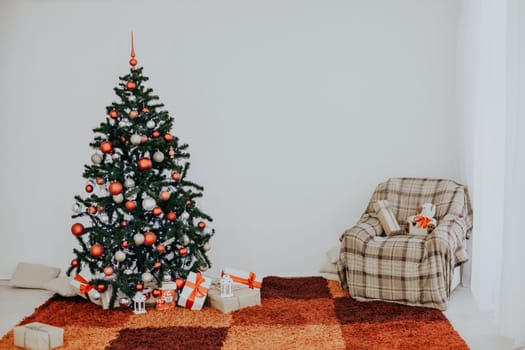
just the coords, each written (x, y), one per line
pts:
(477, 328)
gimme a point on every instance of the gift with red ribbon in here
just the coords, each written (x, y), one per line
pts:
(250, 279)
(422, 221)
(195, 291)
(86, 290)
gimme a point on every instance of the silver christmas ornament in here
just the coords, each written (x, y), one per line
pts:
(185, 240)
(206, 247)
(128, 272)
(158, 156)
(104, 218)
(147, 277)
(135, 139)
(77, 208)
(185, 215)
(124, 302)
(128, 183)
(149, 204)
(96, 158)
(138, 238)
(118, 198)
(119, 256)
(150, 124)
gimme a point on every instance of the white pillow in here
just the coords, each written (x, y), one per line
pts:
(61, 285)
(33, 275)
(386, 217)
(328, 268)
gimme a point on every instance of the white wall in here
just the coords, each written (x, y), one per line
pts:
(294, 110)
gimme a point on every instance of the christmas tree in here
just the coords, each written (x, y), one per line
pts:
(139, 219)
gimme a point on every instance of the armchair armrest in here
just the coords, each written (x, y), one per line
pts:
(367, 226)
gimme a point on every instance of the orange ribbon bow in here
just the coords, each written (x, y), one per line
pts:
(198, 290)
(85, 287)
(250, 281)
(422, 221)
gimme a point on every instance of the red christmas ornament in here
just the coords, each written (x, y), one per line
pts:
(108, 270)
(74, 262)
(133, 114)
(124, 244)
(156, 293)
(113, 114)
(122, 139)
(156, 211)
(145, 163)
(139, 287)
(123, 223)
(77, 229)
(180, 283)
(188, 202)
(161, 248)
(175, 175)
(145, 110)
(101, 288)
(201, 224)
(133, 62)
(97, 250)
(171, 216)
(183, 251)
(92, 210)
(130, 205)
(165, 195)
(157, 265)
(115, 188)
(106, 147)
(143, 139)
(168, 137)
(130, 85)
(149, 238)
(100, 181)
(155, 133)
(89, 188)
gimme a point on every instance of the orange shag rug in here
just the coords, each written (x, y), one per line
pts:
(296, 313)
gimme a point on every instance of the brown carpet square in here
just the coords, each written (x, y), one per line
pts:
(284, 311)
(284, 337)
(406, 335)
(61, 312)
(179, 317)
(295, 288)
(151, 338)
(349, 310)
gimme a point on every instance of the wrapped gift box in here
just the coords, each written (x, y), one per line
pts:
(168, 298)
(38, 336)
(242, 297)
(250, 279)
(85, 290)
(194, 292)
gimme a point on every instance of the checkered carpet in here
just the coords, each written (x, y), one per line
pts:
(296, 313)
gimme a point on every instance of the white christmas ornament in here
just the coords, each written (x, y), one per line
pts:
(149, 204)
(122, 124)
(185, 215)
(128, 183)
(96, 158)
(150, 124)
(115, 156)
(118, 198)
(185, 240)
(128, 272)
(138, 238)
(158, 156)
(147, 277)
(119, 256)
(135, 139)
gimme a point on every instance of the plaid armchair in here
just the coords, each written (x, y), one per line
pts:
(407, 269)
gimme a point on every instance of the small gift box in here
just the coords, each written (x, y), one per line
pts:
(194, 292)
(86, 290)
(249, 279)
(168, 296)
(38, 336)
(242, 297)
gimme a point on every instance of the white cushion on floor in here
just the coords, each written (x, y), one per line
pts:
(33, 275)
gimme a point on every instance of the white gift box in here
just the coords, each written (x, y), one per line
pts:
(194, 292)
(80, 282)
(250, 279)
(242, 297)
(38, 336)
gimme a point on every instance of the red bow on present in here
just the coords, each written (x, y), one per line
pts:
(85, 287)
(422, 221)
(250, 281)
(198, 290)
